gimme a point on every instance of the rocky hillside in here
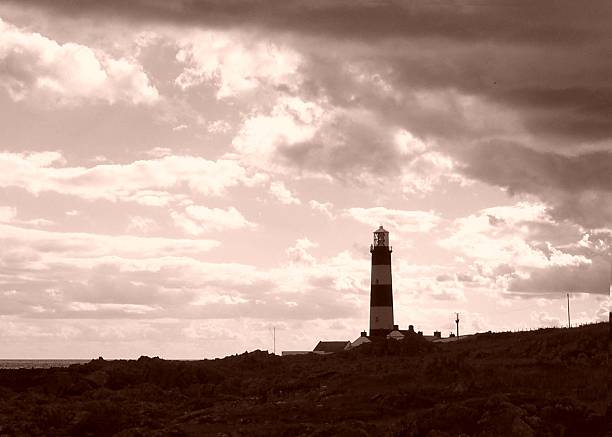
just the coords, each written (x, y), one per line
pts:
(550, 382)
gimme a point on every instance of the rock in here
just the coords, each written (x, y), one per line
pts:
(530, 408)
(135, 432)
(533, 421)
(521, 429)
(58, 383)
(99, 378)
(437, 433)
(502, 418)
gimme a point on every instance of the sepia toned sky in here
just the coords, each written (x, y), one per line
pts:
(178, 179)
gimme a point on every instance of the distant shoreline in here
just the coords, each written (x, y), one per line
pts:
(39, 363)
(42, 363)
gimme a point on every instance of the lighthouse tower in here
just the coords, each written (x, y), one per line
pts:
(381, 296)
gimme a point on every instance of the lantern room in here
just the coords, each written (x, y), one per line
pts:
(381, 237)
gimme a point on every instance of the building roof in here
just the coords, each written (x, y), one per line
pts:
(361, 340)
(407, 332)
(396, 334)
(404, 331)
(331, 346)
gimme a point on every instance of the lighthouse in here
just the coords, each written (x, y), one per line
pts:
(381, 295)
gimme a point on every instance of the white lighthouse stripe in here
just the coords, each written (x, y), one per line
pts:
(381, 275)
(381, 318)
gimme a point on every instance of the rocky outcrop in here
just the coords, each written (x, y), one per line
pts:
(542, 383)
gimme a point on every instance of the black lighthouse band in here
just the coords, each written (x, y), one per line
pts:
(381, 256)
(381, 296)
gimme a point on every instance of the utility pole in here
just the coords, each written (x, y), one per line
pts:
(569, 323)
(457, 322)
(274, 339)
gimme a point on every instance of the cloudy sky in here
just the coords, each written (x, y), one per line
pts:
(178, 178)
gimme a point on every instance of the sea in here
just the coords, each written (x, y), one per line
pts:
(38, 364)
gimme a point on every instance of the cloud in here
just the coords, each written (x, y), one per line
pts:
(424, 98)
(557, 86)
(142, 225)
(148, 182)
(394, 219)
(74, 275)
(500, 236)
(198, 219)
(235, 63)
(68, 275)
(588, 277)
(42, 244)
(544, 319)
(449, 87)
(369, 21)
(575, 185)
(355, 145)
(291, 121)
(282, 194)
(7, 213)
(299, 252)
(218, 127)
(159, 152)
(34, 66)
(603, 312)
(425, 167)
(325, 208)
(523, 244)
(351, 145)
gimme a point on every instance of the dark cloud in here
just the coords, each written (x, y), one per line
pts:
(555, 90)
(586, 278)
(545, 56)
(546, 63)
(571, 112)
(348, 148)
(554, 21)
(501, 162)
(559, 95)
(444, 278)
(558, 234)
(578, 187)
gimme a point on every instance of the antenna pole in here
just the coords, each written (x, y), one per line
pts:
(274, 338)
(569, 323)
(457, 322)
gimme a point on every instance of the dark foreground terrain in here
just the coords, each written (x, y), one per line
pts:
(550, 382)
